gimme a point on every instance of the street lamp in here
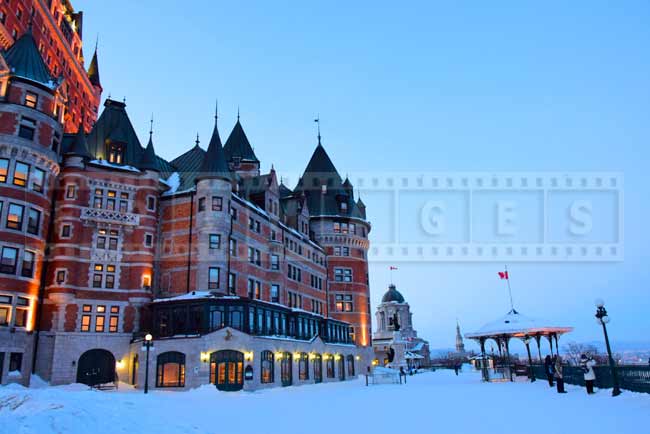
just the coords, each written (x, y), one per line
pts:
(148, 343)
(602, 318)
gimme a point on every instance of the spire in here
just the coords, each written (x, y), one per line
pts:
(317, 120)
(214, 162)
(24, 60)
(148, 160)
(460, 346)
(93, 69)
(196, 143)
(79, 147)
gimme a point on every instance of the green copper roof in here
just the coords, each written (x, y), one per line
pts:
(148, 161)
(214, 163)
(188, 165)
(77, 146)
(25, 61)
(238, 146)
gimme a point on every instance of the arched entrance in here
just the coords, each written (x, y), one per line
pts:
(227, 370)
(96, 367)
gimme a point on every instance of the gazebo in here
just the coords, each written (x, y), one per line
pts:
(515, 325)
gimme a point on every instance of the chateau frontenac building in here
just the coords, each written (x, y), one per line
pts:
(240, 280)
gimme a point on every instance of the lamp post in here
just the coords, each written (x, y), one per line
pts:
(602, 319)
(148, 343)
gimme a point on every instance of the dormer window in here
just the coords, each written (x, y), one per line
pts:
(344, 207)
(31, 99)
(116, 153)
(323, 189)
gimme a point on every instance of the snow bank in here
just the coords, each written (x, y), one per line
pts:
(430, 402)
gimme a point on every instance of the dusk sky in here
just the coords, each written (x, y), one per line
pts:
(417, 87)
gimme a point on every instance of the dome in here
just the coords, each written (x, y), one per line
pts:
(392, 295)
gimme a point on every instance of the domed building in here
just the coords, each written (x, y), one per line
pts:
(395, 341)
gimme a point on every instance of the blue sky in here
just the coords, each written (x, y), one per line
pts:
(414, 87)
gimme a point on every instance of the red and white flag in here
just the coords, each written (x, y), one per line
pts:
(503, 275)
(393, 268)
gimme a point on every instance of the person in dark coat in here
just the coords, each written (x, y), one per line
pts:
(548, 369)
(559, 377)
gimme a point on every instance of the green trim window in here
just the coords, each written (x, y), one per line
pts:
(170, 371)
(267, 367)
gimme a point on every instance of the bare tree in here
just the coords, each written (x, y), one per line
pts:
(574, 350)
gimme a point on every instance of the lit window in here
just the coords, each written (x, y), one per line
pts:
(99, 323)
(115, 153)
(85, 323)
(112, 324)
(70, 191)
(4, 169)
(21, 173)
(170, 371)
(146, 281)
(31, 99)
(101, 309)
(15, 216)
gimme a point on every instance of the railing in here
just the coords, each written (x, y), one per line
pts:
(109, 216)
(630, 377)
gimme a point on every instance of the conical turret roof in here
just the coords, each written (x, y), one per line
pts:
(93, 71)
(148, 161)
(25, 60)
(79, 147)
(214, 162)
(238, 146)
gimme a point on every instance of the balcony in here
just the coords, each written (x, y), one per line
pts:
(108, 216)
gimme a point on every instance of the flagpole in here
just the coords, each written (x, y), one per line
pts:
(512, 306)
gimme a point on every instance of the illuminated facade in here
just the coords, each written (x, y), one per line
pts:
(241, 280)
(57, 30)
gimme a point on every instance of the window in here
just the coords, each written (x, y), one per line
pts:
(170, 370)
(148, 240)
(66, 231)
(33, 221)
(213, 278)
(85, 322)
(350, 362)
(151, 203)
(267, 367)
(275, 293)
(233, 213)
(99, 323)
(4, 169)
(343, 274)
(330, 366)
(15, 362)
(115, 153)
(60, 276)
(8, 260)
(275, 262)
(232, 283)
(22, 310)
(233, 247)
(215, 241)
(344, 303)
(217, 203)
(201, 204)
(341, 251)
(15, 216)
(5, 308)
(286, 369)
(28, 264)
(112, 324)
(27, 128)
(38, 180)
(303, 367)
(254, 256)
(146, 281)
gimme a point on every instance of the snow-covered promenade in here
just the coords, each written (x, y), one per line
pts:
(431, 402)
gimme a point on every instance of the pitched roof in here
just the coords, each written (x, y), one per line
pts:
(238, 145)
(93, 71)
(25, 60)
(148, 161)
(188, 165)
(214, 163)
(114, 125)
(321, 172)
(77, 145)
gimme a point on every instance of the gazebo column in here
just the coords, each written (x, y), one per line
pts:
(539, 350)
(557, 345)
(484, 369)
(550, 342)
(507, 348)
(531, 375)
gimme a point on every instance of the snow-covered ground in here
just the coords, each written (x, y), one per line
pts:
(432, 402)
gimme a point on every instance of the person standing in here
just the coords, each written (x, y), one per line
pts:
(587, 364)
(559, 378)
(549, 370)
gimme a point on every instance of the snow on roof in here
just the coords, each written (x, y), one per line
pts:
(114, 166)
(194, 295)
(515, 324)
(174, 182)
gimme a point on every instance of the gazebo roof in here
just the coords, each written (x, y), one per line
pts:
(514, 324)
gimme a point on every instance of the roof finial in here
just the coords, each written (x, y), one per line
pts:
(151, 127)
(216, 110)
(96, 42)
(197, 139)
(124, 100)
(238, 113)
(317, 120)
